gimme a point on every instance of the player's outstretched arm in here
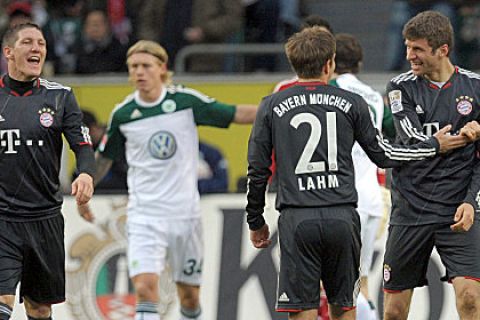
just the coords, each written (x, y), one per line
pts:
(245, 113)
(102, 165)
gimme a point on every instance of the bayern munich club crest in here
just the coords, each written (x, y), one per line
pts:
(464, 105)
(46, 117)
(386, 272)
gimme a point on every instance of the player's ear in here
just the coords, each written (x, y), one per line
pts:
(7, 52)
(443, 50)
(329, 66)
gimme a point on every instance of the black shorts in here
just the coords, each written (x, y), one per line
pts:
(33, 254)
(409, 248)
(318, 244)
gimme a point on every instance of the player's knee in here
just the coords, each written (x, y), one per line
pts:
(40, 313)
(188, 295)
(37, 310)
(395, 312)
(335, 311)
(469, 301)
(145, 291)
(189, 301)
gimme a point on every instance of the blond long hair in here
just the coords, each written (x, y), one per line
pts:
(154, 49)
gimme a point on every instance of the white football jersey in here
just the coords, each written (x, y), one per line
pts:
(160, 141)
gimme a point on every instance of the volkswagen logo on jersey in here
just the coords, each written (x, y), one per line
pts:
(464, 105)
(162, 145)
(169, 106)
(46, 117)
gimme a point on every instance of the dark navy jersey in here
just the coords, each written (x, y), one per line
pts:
(312, 128)
(31, 128)
(435, 187)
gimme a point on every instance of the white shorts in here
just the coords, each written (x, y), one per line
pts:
(370, 225)
(152, 244)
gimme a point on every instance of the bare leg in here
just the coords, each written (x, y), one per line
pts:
(146, 287)
(304, 315)
(337, 313)
(189, 296)
(37, 310)
(146, 293)
(467, 294)
(6, 307)
(397, 305)
(9, 300)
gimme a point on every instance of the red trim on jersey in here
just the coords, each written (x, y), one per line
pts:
(285, 84)
(447, 85)
(288, 310)
(433, 86)
(391, 291)
(16, 94)
(473, 278)
(28, 93)
(466, 277)
(312, 83)
(273, 167)
(84, 144)
(2, 85)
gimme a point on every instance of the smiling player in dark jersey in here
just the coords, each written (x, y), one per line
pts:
(34, 114)
(435, 202)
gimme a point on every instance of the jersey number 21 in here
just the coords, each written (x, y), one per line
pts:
(305, 163)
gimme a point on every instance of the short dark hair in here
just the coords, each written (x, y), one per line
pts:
(11, 35)
(349, 54)
(309, 50)
(315, 20)
(89, 118)
(432, 26)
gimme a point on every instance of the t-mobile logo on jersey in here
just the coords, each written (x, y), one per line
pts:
(430, 128)
(9, 139)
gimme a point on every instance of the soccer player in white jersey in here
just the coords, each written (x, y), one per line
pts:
(156, 128)
(348, 60)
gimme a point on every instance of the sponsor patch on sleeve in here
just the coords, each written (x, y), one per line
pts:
(395, 97)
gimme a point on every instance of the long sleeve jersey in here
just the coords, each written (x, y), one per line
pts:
(435, 187)
(31, 128)
(312, 127)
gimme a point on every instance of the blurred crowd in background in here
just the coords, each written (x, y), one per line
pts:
(92, 36)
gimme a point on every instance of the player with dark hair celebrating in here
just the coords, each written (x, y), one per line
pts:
(434, 201)
(34, 113)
